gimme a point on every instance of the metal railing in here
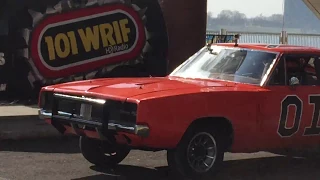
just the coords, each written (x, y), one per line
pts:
(312, 40)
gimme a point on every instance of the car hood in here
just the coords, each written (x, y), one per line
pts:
(130, 87)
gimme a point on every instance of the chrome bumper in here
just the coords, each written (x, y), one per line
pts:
(139, 130)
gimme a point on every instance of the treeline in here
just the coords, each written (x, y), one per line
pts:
(236, 18)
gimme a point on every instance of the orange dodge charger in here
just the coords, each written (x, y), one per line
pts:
(225, 98)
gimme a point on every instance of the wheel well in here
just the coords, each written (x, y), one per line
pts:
(224, 126)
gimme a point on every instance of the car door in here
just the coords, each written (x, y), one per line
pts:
(286, 110)
(309, 88)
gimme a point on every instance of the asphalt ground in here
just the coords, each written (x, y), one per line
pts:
(60, 159)
(20, 122)
(49, 156)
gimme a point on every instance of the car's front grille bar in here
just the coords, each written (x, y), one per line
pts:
(71, 106)
(62, 117)
(81, 99)
(140, 130)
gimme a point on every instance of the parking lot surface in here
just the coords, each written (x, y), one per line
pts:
(60, 159)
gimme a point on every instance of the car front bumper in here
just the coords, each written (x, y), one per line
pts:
(64, 122)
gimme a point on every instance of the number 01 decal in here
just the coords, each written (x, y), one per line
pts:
(295, 101)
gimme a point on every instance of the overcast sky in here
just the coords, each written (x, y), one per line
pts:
(249, 7)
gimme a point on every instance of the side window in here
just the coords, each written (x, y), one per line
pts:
(311, 77)
(295, 66)
(302, 67)
(305, 68)
(316, 63)
(278, 75)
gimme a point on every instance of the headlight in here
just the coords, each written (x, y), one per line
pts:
(124, 113)
(129, 113)
(45, 100)
(130, 108)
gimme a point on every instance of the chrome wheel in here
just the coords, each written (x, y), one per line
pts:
(202, 152)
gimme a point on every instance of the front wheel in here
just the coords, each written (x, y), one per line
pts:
(199, 155)
(102, 153)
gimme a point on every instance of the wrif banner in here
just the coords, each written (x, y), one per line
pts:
(64, 38)
(88, 38)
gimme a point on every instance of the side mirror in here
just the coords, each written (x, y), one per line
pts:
(294, 81)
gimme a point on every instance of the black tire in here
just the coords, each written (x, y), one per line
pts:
(179, 159)
(102, 153)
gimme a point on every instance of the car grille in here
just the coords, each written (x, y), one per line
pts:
(73, 107)
(108, 111)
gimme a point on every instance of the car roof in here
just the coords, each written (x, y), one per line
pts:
(273, 47)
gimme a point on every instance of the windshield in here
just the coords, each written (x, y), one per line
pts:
(230, 64)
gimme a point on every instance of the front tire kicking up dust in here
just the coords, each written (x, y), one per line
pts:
(102, 153)
(199, 155)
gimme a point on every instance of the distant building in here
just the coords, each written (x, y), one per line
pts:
(298, 15)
